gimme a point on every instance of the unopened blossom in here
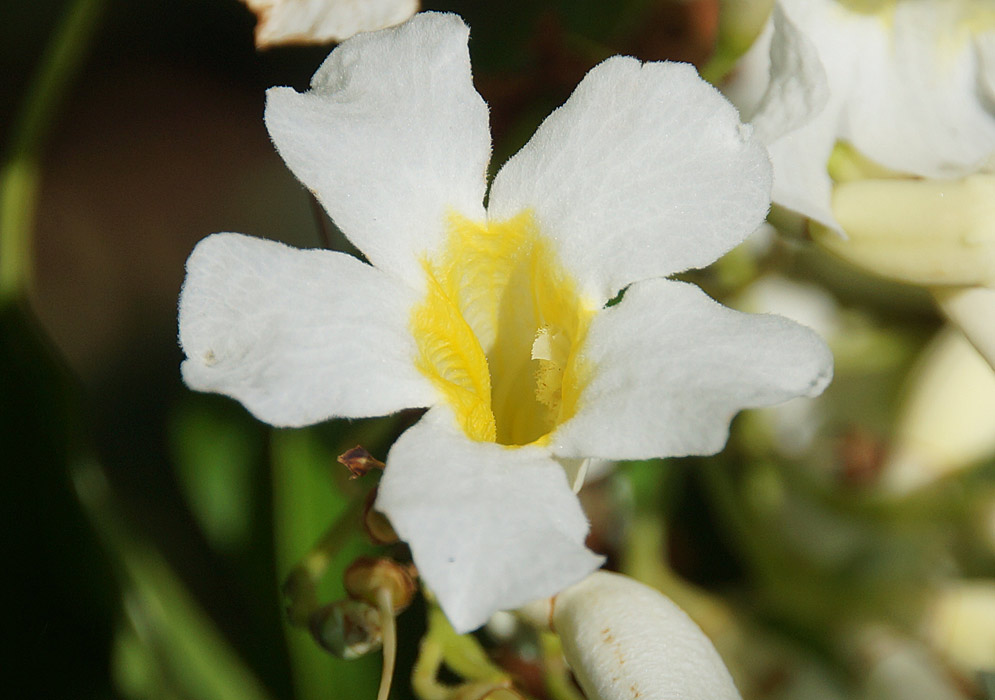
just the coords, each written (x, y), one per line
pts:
(946, 422)
(497, 317)
(323, 21)
(960, 623)
(625, 640)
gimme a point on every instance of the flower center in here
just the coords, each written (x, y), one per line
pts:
(500, 330)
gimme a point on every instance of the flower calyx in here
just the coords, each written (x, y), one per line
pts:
(367, 578)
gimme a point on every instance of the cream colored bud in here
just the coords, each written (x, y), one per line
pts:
(927, 232)
(961, 624)
(972, 309)
(625, 640)
(947, 421)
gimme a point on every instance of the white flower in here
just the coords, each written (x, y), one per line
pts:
(323, 21)
(496, 317)
(910, 84)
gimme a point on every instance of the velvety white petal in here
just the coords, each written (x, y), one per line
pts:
(297, 336)
(746, 84)
(798, 112)
(392, 138)
(916, 105)
(490, 527)
(646, 170)
(670, 367)
(625, 640)
(324, 21)
(797, 89)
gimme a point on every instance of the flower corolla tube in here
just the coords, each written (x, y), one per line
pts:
(498, 319)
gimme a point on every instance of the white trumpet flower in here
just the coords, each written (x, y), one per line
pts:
(497, 318)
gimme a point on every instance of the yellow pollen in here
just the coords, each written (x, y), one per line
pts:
(501, 330)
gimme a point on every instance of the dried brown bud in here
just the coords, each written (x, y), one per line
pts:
(377, 527)
(359, 461)
(366, 576)
(347, 628)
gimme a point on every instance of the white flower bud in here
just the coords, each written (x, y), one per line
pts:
(972, 309)
(947, 421)
(961, 624)
(929, 232)
(625, 640)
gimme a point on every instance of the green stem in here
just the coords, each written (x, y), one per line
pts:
(387, 617)
(302, 582)
(20, 173)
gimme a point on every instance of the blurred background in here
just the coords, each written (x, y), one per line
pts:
(148, 528)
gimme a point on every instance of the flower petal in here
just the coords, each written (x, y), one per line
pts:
(671, 367)
(643, 172)
(490, 527)
(794, 116)
(915, 104)
(797, 89)
(391, 138)
(297, 336)
(324, 21)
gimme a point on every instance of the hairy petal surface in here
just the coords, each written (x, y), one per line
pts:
(490, 527)
(645, 171)
(671, 367)
(297, 336)
(391, 137)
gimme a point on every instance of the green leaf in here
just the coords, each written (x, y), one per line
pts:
(306, 502)
(215, 451)
(176, 641)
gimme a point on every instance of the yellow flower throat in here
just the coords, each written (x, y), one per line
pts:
(500, 330)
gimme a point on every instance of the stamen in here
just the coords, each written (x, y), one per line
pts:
(551, 348)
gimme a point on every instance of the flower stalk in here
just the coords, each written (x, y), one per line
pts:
(20, 174)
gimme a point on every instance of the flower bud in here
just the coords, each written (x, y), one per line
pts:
(947, 420)
(927, 232)
(347, 628)
(961, 624)
(972, 309)
(376, 524)
(366, 576)
(359, 461)
(624, 639)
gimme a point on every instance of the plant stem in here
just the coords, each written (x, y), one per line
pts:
(20, 173)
